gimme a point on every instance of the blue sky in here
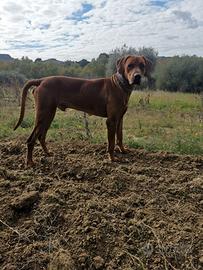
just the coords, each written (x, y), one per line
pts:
(69, 29)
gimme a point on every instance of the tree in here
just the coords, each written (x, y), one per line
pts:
(96, 68)
(38, 60)
(180, 74)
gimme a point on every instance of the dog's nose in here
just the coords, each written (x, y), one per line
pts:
(137, 78)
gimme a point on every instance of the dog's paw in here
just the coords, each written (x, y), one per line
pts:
(29, 164)
(123, 150)
(114, 159)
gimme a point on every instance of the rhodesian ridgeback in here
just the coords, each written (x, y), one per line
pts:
(105, 97)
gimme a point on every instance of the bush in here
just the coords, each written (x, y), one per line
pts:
(183, 74)
(10, 78)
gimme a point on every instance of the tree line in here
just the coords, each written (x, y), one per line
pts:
(176, 73)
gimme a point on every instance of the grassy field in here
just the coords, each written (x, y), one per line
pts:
(158, 120)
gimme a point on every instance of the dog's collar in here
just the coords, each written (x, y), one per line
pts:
(122, 83)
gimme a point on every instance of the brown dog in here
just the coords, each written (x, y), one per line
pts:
(106, 97)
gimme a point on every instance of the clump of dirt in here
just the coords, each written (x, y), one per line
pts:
(25, 201)
(76, 210)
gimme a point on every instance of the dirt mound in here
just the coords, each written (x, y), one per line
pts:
(76, 210)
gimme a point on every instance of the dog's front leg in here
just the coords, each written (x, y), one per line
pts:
(119, 137)
(111, 128)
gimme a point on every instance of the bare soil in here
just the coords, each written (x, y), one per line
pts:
(76, 210)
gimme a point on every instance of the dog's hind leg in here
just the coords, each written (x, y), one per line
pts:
(42, 135)
(43, 122)
(30, 146)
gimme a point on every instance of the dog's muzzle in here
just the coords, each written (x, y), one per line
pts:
(137, 79)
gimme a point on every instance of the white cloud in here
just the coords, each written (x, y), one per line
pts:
(11, 7)
(187, 18)
(82, 29)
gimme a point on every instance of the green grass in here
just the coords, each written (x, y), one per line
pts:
(155, 121)
(165, 101)
(170, 122)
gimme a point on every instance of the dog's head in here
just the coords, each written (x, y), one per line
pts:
(132, 68)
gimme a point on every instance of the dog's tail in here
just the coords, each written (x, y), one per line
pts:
(23, 99)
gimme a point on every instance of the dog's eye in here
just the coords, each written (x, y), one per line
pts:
(130, 66)
(142, 66)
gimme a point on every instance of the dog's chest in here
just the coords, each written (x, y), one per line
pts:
(125, 101)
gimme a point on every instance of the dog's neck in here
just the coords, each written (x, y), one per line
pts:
(122, 83)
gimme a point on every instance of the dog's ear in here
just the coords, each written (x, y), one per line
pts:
(120, 64)
(148, 66)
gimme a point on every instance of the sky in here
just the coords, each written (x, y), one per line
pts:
(73, 30)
